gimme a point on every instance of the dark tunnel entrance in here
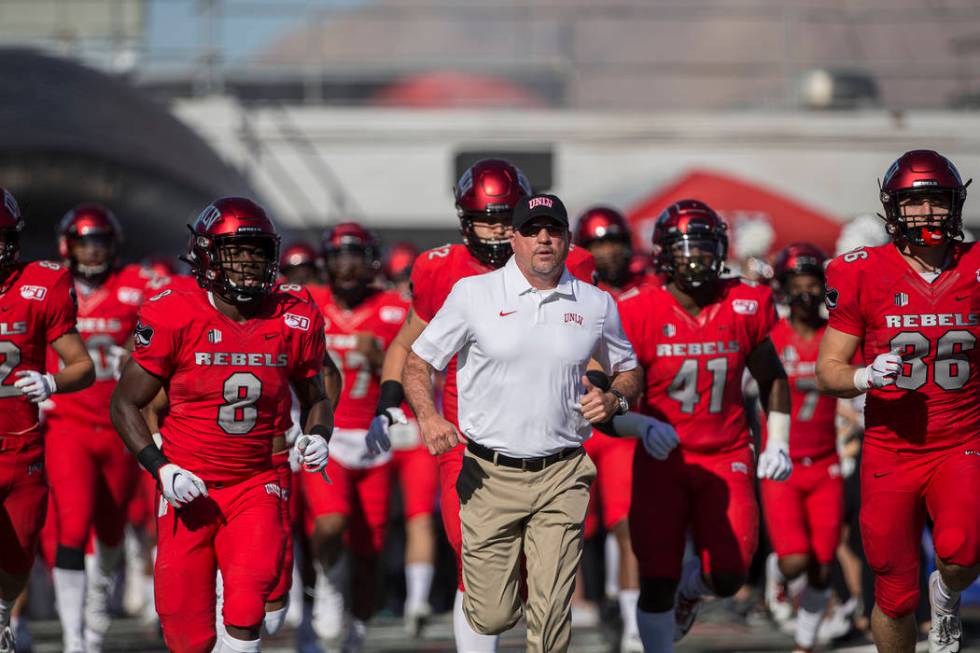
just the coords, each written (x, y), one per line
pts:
(70, 134)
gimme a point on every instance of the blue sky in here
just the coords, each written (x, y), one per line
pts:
(177, 29)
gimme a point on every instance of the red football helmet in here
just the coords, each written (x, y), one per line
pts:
(215, 253)
(488, 190)
(601, 223)
(89, 220)
(690, 243)
(399, 260)
(923, 175)
(11, 224)
(799, 258)
(299, 253)
(351, 236)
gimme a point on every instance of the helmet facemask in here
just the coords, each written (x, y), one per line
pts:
(924, 217)
(351, 269)
(804, 293)
(493, 251)
(693, 261)
(244, 268)
(9, 249)
(91, 256)
(612, 256)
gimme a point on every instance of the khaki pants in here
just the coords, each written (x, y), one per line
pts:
(505, 512)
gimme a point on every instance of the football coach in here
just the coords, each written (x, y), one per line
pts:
(525, 335)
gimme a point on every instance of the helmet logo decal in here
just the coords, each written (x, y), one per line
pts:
(209, 216)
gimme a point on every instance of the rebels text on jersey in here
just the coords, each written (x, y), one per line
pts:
(694, 365)
(874, 294)
(436, 271)
(37, 306)
(381, 314)
(227, 382)
(814, 415)
(106, 318)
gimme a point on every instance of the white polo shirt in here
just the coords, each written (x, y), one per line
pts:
(522, 355)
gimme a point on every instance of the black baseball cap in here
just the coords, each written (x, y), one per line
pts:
(542, 205)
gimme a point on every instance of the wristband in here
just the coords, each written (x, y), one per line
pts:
(392, 395)
(861, 381)
(322, 431)
(777, 426)
(152, 459)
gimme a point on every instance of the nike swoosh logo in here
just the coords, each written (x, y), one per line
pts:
(881, 474)
(270, 336)
(959, 299)
(502, 314)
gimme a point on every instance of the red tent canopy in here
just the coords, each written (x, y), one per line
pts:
(737, 200)
(448, 89)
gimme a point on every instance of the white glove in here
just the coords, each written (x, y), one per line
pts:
(36, 386)
(295, 460)
(313, 451)
(179, 486)
(659, 438)
(882, 371)
(378, 439)
(293, 434)
(774, 463)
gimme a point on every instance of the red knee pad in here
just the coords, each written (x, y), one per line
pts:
(895, 596)
(184, 635)
(954, 546)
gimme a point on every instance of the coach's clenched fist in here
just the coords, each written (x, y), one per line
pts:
(597, 406)
(438, 433)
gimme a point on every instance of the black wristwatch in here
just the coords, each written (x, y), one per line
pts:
(624, 406)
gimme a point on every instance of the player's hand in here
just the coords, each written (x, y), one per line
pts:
(774, 463)
(439, 434)
(36, 386)
(659, 438)
(378, 439)
(179, 486)
(597, 406)
(882, 372)
(313, 449)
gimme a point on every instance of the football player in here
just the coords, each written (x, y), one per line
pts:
(228, 354)
(92, 477)
(37, 310)
(804, 513)
(911, 308)
(486, 195)
(361, 321)
(299, 264)
(605, 233)
(695, 335)
(397, 266)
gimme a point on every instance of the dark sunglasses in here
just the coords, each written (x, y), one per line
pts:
(534, 228)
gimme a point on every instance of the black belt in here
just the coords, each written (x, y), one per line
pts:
(527, 464)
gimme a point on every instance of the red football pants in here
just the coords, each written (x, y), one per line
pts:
(23, 502)
(418, 474)
(804, 513)
(613, 487)
(360, 494)
(93, 477)
(236, 529)
(285, 474)
(897, 490)
(712, 494)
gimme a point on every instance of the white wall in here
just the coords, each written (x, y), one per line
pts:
(394, 167)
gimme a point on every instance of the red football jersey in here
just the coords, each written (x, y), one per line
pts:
(106, 318)
(381, 314)
(228, 383)
(694, 365)
(436, 272)
(813, 431)
(37, 307)
(874, 294)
